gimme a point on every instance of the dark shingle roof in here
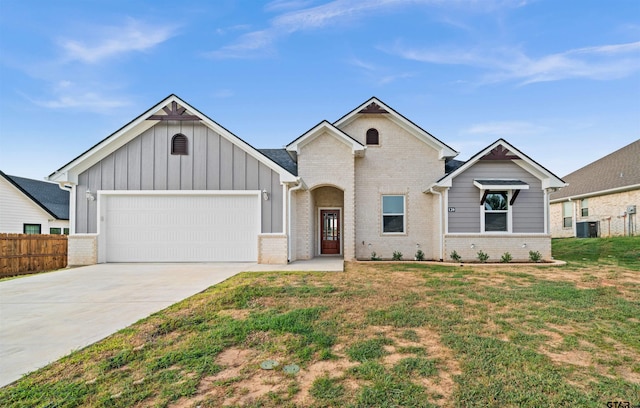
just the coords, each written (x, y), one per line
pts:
(616, 170)
(282, 158)
(451, 165)
(47, 195)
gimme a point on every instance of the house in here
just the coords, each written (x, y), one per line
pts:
(173, 185)
(32, 206)
(602, 198)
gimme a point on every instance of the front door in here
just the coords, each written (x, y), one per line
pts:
(330, 232)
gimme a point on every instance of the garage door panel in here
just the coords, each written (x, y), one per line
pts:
(178, 228)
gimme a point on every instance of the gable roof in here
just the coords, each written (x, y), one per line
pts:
(146, 120)
(505, 151)
(375, 106)
(319, 129)
(48, 196)
(617, 171)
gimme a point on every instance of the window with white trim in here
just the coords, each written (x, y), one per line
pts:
(584, 207)
(496, 211)
(393, 214)
(567, 216)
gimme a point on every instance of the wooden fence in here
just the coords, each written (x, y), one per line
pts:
(30, 253)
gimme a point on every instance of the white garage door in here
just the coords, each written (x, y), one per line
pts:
(181, 228)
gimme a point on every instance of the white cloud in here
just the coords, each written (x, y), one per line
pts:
(133, 35)
(332, 13)
(69, 95)
(598, 62)
(506, 128)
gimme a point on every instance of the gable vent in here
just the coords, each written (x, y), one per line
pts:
(179, 144)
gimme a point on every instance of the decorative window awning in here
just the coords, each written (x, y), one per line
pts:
(500, 185)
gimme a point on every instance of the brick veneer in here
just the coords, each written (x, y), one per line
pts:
(468, 246)
(82, 250)
(272, 249)
(607, 209)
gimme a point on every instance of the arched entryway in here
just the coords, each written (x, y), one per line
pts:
(328, 210)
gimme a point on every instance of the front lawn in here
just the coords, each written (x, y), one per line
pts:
(378, 335)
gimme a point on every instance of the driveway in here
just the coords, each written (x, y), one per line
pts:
(44, 317)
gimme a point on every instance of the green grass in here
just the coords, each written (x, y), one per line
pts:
(378, 335)
(620, 251)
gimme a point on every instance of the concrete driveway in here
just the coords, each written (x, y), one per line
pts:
(44, 317)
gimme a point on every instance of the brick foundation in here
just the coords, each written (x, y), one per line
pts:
(468, 246)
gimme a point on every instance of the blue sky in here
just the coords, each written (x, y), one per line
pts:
(559, 79)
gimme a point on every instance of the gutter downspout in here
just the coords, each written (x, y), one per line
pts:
(439, 194)
(297, 187)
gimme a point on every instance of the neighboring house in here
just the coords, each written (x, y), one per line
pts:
(32, 207)
(602, 198)
(173, 185)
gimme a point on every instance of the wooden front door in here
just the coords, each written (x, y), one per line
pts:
(329, 232)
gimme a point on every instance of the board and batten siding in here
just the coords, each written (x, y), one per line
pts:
(527, 211)
(212, 163)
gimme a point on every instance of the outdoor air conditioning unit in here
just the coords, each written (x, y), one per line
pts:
(631, 209)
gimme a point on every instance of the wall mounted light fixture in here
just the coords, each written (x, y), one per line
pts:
(265, 195)
(90, 196)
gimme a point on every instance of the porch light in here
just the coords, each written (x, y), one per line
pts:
(524, 245)
(265, 195)
(90, 196)
(473, 246)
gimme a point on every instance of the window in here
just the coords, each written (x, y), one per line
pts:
(31, 228)
(55, 231)
(567, 209)
(65, 231)
(496, 211)
(373, 137)
(392, 214)
(584, 208)
(179, 144)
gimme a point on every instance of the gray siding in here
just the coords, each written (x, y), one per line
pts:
(528, 209)
(146, 163)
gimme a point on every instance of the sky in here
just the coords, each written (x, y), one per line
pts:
(558, 79)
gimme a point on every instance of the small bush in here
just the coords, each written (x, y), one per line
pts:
(419, 255)
(454, 255)
(397, 256)
(506, 258)
(375, 257)
(535, 256)
(482, 256)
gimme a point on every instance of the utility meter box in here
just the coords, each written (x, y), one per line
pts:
(631, 209)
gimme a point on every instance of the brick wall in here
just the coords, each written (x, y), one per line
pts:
(404, 165)
(608, 210)
(518, 245)
(324, 161)
(272, 249)
(82, 249)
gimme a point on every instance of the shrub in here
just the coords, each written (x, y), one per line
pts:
(535, 256)
(506, 258)
(419, 255)
(482, 256)
(397, 256)
(454, 255)
(375, 257)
